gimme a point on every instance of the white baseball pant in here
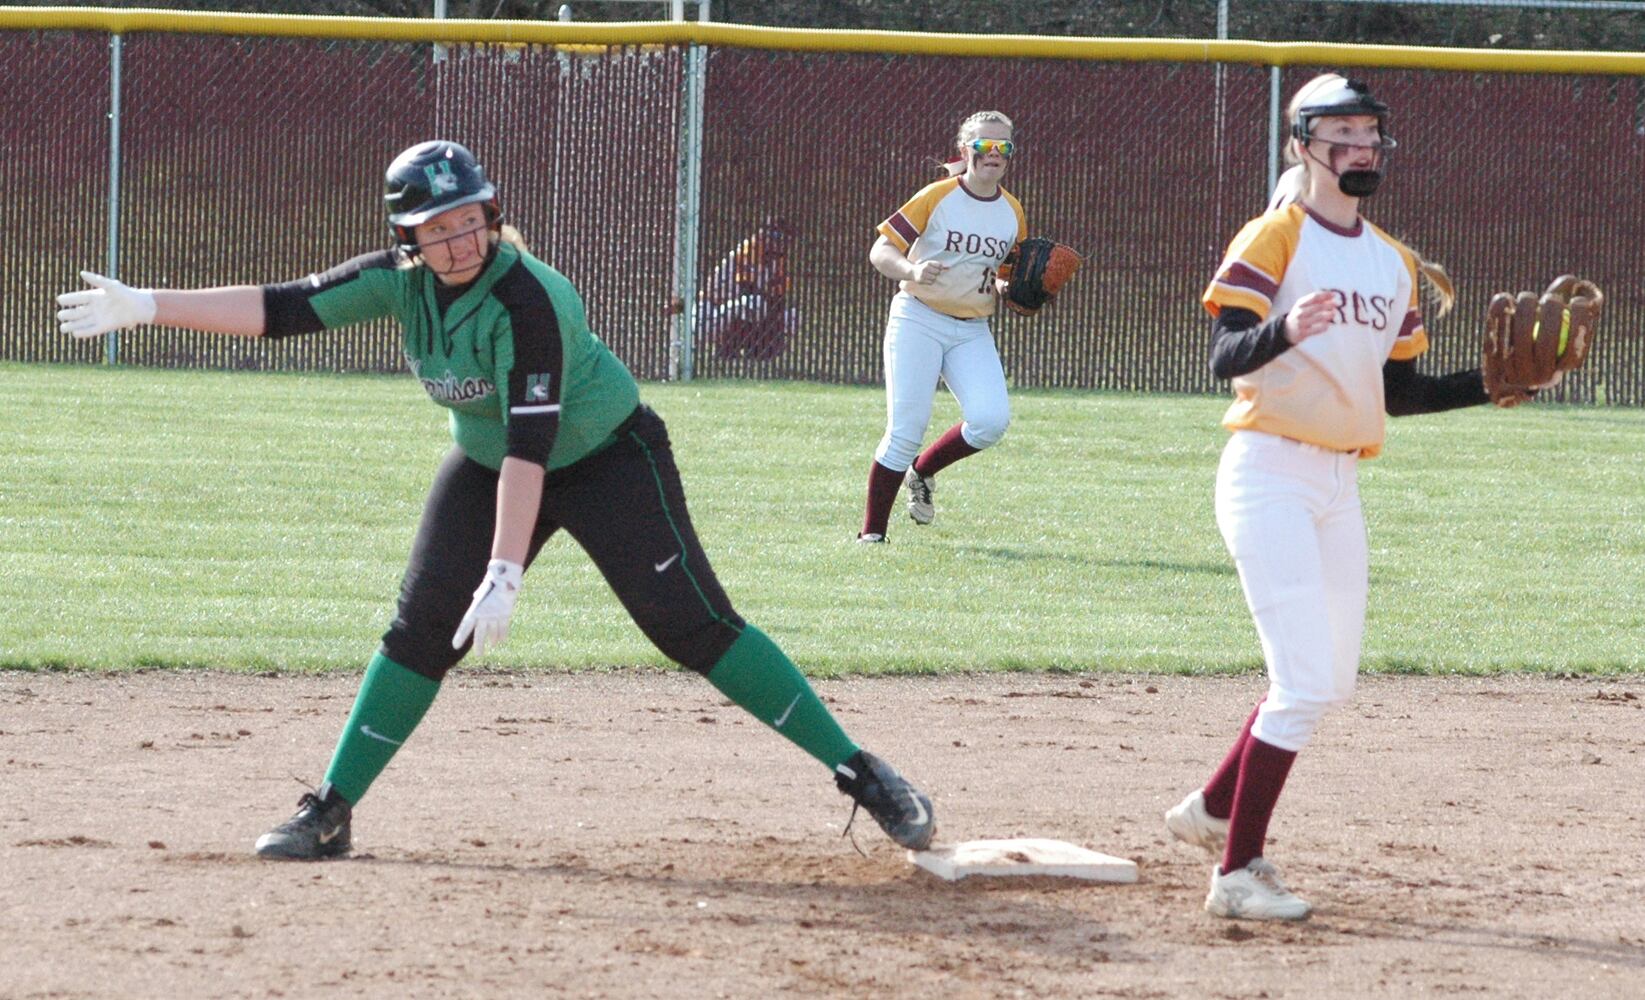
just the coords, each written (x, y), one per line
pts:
(1291, 517)
(921, 344)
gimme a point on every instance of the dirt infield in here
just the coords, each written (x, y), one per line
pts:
(631, 834)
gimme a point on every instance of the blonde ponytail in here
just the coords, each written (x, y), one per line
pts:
(1289, 187)
(1440, 287)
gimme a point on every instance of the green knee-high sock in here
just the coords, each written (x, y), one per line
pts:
(761, 678)
(391, 702)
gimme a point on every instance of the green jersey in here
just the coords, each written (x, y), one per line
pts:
(510, 355)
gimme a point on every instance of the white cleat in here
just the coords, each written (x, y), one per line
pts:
(920, 488)
(869, 538)
(1190, 823)
(1254, 893)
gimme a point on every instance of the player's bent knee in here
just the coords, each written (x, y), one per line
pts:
(1343, 695)
(425, 655)
(1288, 721)
(898, 452)
(986, 431)
(697, 647)
(1288, 731)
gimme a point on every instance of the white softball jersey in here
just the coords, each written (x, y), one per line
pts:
(946, 222)
(1326, 390)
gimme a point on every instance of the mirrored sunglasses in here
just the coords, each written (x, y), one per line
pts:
(982, 147)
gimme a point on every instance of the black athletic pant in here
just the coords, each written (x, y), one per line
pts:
(626, 508)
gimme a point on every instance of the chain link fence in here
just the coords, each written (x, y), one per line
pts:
(1138, 172)
(254, 160)
(57, 161)
(261, 160)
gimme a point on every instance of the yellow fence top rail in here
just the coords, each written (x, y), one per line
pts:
(124, 21)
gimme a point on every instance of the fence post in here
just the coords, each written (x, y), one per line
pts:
(1220, 119)
(688, 215)
(440, 15)
(111, 341)
(1275, 139)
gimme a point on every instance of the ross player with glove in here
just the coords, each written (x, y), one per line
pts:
(944, 248)
(549, 434)
(1318, 322)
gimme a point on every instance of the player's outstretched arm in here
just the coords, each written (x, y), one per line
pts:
(236, 309)
(113, 305)
(1407, 392)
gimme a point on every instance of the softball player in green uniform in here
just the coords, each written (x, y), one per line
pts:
(550, 434)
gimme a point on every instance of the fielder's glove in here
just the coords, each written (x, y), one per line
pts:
(1034, 271)
(487, 618)
(1530, 342)
(107, 305)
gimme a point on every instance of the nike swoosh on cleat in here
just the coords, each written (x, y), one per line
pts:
(326, 838)
(659, 567)
(922, 817)
(374, 734)
(779, 720)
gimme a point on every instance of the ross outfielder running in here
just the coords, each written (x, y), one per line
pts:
(1318, 323)
(549, 434)
(944, 248)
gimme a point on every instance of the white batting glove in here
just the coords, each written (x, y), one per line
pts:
(487, 618)
(107, 305)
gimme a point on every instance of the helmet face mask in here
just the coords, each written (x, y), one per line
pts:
(431, 178)
(1359, 183)
(1348, 98)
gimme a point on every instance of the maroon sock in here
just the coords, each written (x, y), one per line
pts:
(883, 485)
(1262, 773)
(1219, 791)
(944, 451)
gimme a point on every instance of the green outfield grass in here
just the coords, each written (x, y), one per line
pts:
(260, 521)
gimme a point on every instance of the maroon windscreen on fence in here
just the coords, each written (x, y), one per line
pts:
(252, 160)
(1127, 162)
(53, 113)
(1507, 180)
(261, 160)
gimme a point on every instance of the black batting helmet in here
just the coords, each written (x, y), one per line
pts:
(430, 178)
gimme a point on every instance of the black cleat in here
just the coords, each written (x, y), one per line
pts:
(319, 830)
(901, 810)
